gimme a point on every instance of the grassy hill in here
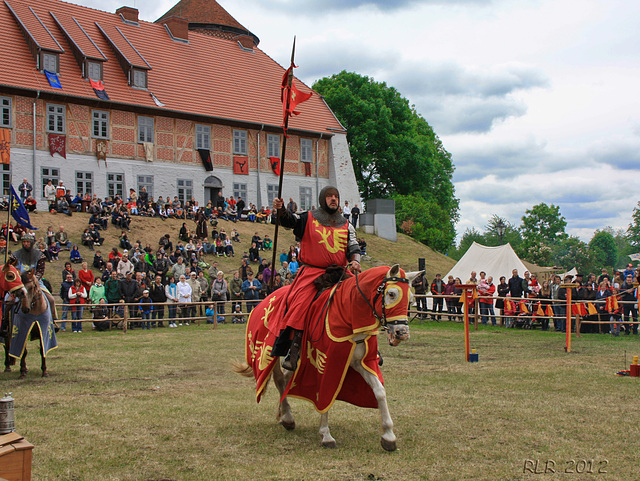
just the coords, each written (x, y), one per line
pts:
(405, 251)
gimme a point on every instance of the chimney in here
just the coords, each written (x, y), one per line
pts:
(128, 13)
(178, 27)
(246, 41)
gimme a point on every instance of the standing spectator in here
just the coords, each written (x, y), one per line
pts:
(630, 301)
(179, 269)
(61, 190)
(235, 288)
(145, 307)
(292, 206)
(97, 291)
(50, 195)
(86, 276)
(486, 303)
(129, 289)
(77, 298)
(158, 295)
(124, 266)
(196, 292)
(171, 291)
(112, 290)
(503, 290)
(184, 298)
(204, 289)
(251, 289)
(25, 189)
(64, 296)
(293, 265)
(355, 213)
(346, 210)
(219, 288)
(437, 290)
(545, 300)
(448, 291)
(419, 285)
(244, 270)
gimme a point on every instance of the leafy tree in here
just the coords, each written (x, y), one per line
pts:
(603, 250)
(511, 233)
(543, 223)
(394, 150)
(572, 252)
(425, 221)
(633, 232)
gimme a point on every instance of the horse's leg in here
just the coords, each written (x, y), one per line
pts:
(43, 366)
(280, 379)
(388, 440)
(23, 364)
(327, 439)
(7, 358)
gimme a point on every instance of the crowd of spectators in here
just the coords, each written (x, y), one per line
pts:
(526, 302)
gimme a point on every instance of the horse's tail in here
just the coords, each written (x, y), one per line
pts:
(241, 368)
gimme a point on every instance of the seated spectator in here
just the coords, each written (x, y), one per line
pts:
(183, 235)
(124, 241)
(87, 239)
(74, 255)
(267, 243)
(95, 235)
(98, 261)
(363, 246)
(235, 235)
(42, 247)
(257, 240)
(231, 213)
(54, 251)
(254, 255)
(63, 206)
(31, 204)
(62, 239)
(100, 315)
(228, 248)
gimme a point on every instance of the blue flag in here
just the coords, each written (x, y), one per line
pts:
(53, 79)
(19, 212)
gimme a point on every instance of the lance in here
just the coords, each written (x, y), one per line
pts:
(6, 250)
(286, 101)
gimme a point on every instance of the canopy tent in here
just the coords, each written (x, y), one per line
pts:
(571, 273)
(495, 261)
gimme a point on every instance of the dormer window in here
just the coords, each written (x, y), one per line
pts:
(49, 61)
(139, 78)
(94, 70)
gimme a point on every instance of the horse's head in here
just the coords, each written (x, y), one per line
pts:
(395, 305)
(10, 280)
(32, 289)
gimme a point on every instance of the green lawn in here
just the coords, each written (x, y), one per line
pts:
(164, 405)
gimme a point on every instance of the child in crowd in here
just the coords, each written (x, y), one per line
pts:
(100, 314)
(145, 309)
(74, 255)
(238, 318)
(211, 315)
(54, 251)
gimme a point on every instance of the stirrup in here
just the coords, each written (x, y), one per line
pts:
(290, 362)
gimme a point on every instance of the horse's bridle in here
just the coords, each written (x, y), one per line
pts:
(382, 318)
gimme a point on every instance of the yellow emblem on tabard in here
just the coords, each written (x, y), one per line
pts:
(339, 237)
(265, 357)
(319, 360)
(268, 310)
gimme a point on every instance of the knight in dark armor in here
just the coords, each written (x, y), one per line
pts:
(27, 256)
(327, 239)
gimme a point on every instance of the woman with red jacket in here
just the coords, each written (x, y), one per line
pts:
(77, 297)
(86, 276)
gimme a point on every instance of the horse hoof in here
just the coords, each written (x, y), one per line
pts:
(288, 426)
(7, 369)
(23, 375)
(388, 445)
(329, 444)
(45, 374)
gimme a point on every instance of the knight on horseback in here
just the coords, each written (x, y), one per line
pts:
(27, 256)
(327, 240)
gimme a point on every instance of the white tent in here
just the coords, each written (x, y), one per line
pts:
(571, 273)
(495, 261)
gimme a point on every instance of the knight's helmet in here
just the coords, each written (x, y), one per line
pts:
(322, 198)
(28, 236)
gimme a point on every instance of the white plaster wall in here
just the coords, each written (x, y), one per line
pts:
(341, 173)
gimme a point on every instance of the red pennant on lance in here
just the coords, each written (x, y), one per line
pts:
(291, 96)
(241, 165)
(98, 88)
(58, 143)
(275, 165)
(5, 146)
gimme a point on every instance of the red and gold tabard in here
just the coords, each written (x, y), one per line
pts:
(321, 246)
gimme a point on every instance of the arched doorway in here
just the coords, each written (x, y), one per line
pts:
(212, 186)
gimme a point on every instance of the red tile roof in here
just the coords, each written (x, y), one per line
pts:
(202, 11)
(209, 76)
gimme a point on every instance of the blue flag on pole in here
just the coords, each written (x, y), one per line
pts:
(19, 212)
(53, 79)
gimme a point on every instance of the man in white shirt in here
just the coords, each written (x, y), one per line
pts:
(184, 297)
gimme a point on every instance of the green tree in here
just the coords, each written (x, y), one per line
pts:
(603, 250)
(511, 233)
(633, 232)
(543, 224)
(425, 221)
(393, 149)
(572, 252)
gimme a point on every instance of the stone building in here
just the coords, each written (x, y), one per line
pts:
(191, 87)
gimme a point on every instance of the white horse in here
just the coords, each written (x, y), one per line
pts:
(349, 317)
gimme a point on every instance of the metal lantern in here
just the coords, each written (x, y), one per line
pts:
(7, 421)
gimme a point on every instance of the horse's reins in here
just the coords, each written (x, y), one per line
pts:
(382, 318)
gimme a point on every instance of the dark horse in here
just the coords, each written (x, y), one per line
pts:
(27, 313)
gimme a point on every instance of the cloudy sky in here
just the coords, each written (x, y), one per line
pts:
(537, 100)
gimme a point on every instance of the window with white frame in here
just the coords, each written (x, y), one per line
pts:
(56, 116)
(239, 190)
(84, 183)
(115, 185)
(5, 111)
(100, 124)
(203, 137)
(272, 193)
(145, 181)
(49, 174)
(139, 78)
(94, 70)
(240, 142)
(49, 62)
(6, 179)
(185, 190)
(145, 129)
(305, 198)
(306, 150)
(273, 145)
